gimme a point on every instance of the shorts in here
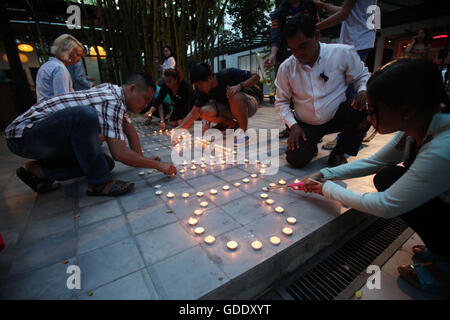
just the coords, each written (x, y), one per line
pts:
(223, 109)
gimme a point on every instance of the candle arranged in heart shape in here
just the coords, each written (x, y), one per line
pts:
(256, 245)
(272, 185)
(287, 231)
(182, 171)
(192, 221)
(282, 182)
(275, 240)
(264, 195)
(209, 239)
(199, 230)
(254, 175)
(198, 212)
(158, 193)
(184, 163)
(226, 187)
(245, 180)
(193, 167)
(279, 209)
(237, 184)
(203, 204)
(232, 245)
(270, 201)
(185, 195)
(213, 191)
(291, 220)
(203, 165)
(141, 173)
(200, 194)
(170, 195)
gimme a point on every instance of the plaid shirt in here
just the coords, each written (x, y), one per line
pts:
(107, 99)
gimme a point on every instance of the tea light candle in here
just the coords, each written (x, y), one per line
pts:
(237, 184)
(275, 240)
(264, 195)
(158, 193)
(213, 191)
(262, 171)
(245, 160)
(226, 188)
(270, 201)
(265, 189)
(254, 175)
(212, 163)
(256, 245)
(202, 159)
(232, 245)
(198, 212)
(257, 162)
(149, 171)
(210, 239)
(184, 163)
(199, 230)
(279, 209)
(185, 195)
(194, 168)
(287, 231)
(141, 173)
(157, 186)
(223, 162)
(182, 171)
(204, 204)
(192, 221)
(193, 162)
(272, 185)
(297, 181)
(282, 182)
(203, 165)
(170, 195)
(264, 165)
(291, 220)
(200, 194)
(245, 180)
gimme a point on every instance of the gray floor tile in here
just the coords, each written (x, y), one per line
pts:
(44, 252)
(131, 287)
(246, 209)
(98, 212)
(102, 233)
(161, 243)
(188, 275)
(109, 263)
(48, 283)
(138, 200)
(150, 218)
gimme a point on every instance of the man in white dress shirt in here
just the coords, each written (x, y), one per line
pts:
(316, 78)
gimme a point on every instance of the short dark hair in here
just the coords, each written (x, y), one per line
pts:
(301, 23)
(199, 72)
(141, 80)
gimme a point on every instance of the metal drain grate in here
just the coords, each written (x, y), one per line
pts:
(343, 270)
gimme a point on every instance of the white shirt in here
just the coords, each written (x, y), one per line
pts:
(169, 63)
(354, 30)
(427, 177)
(316, 100)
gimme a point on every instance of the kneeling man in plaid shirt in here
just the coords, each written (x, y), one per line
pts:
(62, 135)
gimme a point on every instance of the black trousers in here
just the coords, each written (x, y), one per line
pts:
(350, 122)
(430, 220)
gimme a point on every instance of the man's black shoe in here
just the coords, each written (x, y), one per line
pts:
(284, 134)
(336, 159)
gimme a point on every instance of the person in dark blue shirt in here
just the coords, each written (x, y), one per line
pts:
(227, 98)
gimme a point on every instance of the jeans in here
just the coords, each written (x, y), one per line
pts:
(67, 145)
(430, 220)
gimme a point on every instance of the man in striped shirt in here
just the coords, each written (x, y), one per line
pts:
(62, 134)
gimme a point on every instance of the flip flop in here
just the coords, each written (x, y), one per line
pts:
(118, 188)
(39, 185)
(423, 254)
(420, 277)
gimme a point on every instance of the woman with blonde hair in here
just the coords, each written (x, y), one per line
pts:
(53, 78)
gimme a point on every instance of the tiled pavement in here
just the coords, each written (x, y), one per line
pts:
(139, 246)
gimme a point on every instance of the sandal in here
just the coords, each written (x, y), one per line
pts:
(118, 188)
(39, 185)
(420, 277)
(423, 254)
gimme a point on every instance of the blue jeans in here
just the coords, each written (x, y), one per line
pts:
(67, 145)
(351, 93)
